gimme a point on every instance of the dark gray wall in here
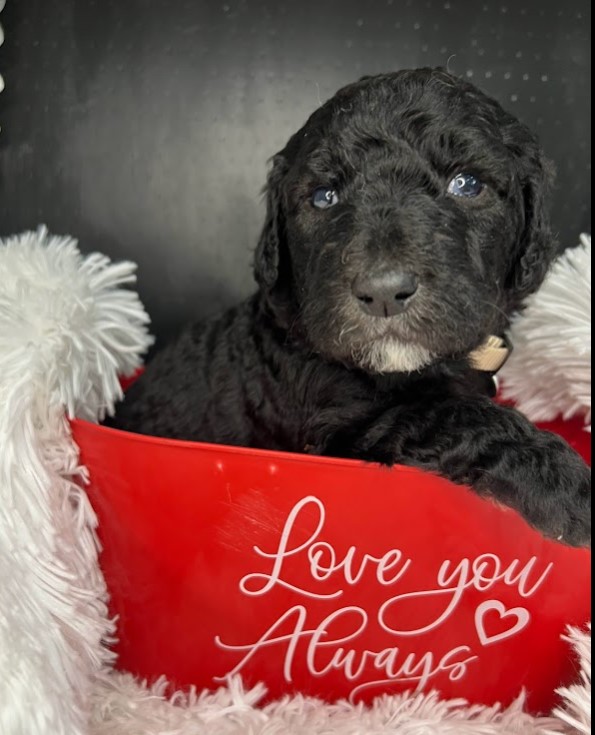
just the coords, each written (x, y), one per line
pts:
(143, 127)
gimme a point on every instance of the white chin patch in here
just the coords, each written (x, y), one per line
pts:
(393, 356)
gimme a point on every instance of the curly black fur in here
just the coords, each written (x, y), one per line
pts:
(302, 366)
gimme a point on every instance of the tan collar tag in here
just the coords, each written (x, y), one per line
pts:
(491, 356)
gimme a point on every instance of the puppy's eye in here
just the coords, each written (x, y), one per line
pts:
(465, 185)
(324, 198)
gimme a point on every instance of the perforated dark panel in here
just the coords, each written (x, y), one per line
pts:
(143, 126)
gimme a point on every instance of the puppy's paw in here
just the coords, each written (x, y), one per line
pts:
(552, 490)
(567, 481)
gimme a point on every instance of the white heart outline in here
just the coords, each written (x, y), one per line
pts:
(522, 614)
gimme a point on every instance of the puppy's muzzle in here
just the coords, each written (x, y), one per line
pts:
(385, 295)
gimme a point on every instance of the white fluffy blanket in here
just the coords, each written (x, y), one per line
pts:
(547, 376)
(68, 328)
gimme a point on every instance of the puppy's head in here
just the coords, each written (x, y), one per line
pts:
(406, 221)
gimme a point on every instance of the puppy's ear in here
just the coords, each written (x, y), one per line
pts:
(537, 246)
(267, 260)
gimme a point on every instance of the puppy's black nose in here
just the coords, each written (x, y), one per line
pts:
(385, 295)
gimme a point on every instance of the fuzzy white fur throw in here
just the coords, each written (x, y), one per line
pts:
(546, 376)
(68, 328)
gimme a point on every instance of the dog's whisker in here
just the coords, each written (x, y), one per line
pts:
(496, 308)
(320, 103)
(347, 329)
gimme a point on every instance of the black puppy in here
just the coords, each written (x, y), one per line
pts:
(406, 222)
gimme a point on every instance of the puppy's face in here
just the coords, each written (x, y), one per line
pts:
(406, 221)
